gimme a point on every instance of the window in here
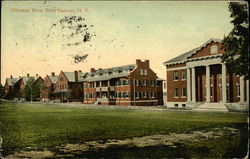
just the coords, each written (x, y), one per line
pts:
(126, 94)
(152, 83)
(141, 71)
(183, 105)
(214, 49)
(175, 105)
(137, 82)
(183, 75)
(126, 82)
(152, 94)
(184, 92)
(145, 72)
(175, 76)
(211, 90)
(144, 82)
(137, 94)
(176, 92)
(144, 94)
(238, 89)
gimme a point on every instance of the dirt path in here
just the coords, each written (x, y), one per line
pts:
(152, 140)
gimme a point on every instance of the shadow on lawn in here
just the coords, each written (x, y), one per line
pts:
(228, 146)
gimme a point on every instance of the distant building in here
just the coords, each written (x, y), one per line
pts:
(47, 88)
(199, 79)
(9, 91)
(69, 86)
(14, 87)
(133, 84)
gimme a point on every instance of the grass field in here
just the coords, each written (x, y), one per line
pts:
(46, 126)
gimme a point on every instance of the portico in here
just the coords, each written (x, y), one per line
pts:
(198, 79)
(204, 86)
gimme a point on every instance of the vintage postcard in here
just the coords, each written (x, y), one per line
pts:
(124, 79)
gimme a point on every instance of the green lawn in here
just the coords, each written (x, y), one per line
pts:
(39, 126)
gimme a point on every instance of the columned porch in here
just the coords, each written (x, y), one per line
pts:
(207, 82)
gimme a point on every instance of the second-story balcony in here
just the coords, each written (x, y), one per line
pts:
(103, 89)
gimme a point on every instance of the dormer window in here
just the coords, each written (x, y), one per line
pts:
(214, 49)
(141, 71)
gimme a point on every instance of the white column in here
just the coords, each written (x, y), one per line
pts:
(247, 91)
(224, 83)
(193, 85)
(100, 84)
(188, 85)
(95, 84)
(108, 83)
(208, 84)
(242, 89)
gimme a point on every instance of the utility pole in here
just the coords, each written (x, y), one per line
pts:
(31, 94)
(134, 90)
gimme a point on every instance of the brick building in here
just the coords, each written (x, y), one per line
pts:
(69, 86)
(14, 87)
(9, 87)
(199, 79)
(133, 84)
(47, 88)
(21, 84)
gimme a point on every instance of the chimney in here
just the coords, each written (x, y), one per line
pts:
(36, 75)
(28, 74)
(80, 71)
(92, 70)
(138, 62)
(99, 68)
(53, 74)
(76, 76)
(147, 63)
(11, 76)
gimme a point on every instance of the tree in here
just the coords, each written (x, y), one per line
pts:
(32, 90)
(235, 44)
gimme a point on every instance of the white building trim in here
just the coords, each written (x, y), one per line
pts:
(208, 84)
(204, 62)
(177, 68)
(193, 85)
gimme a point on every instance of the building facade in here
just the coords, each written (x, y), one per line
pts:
(15, 87)
(9, 91)
(199, 79)
(69, 86)
(133, 84)
(47, 88)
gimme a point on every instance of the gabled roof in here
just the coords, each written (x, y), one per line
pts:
(53, 79)
(71, 76)
(110, 73)
(183, 57)
(11, 81)
(26, 79)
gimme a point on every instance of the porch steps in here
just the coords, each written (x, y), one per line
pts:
(212, 107)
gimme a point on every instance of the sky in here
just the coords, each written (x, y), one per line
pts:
(33, 40)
